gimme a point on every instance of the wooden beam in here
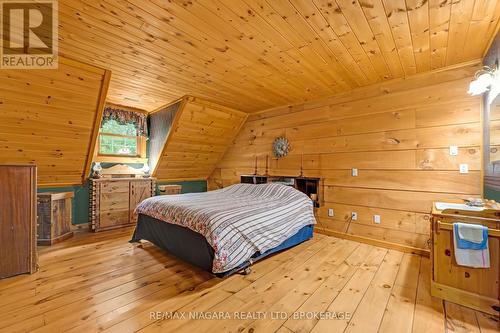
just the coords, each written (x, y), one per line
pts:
(97, 123)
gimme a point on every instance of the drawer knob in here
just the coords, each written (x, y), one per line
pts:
(447, 252)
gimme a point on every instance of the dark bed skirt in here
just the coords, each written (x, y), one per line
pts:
(192, 247)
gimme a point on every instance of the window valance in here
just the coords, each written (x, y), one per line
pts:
(126, 117)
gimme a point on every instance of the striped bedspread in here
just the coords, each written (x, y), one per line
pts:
(238, 220)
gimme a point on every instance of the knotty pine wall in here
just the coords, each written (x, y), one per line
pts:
(51, 118)
(396, 134)
(200, 134)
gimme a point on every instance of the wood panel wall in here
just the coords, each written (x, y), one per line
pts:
(200, 135)
(396, 134)
(50, 118)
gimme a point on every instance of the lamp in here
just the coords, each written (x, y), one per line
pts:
(97, 168)
(145, 169)
(483, 79)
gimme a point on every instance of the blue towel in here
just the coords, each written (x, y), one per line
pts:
(467, 244)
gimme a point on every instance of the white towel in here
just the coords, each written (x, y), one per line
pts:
(470, 257)
(470, 232)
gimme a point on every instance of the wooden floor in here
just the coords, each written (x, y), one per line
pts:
(99, 282)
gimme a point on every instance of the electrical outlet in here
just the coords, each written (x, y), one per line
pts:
(464, 168)
(376, 219)
(354, 172)
(330, 212)
(453, 150)
(354, 216)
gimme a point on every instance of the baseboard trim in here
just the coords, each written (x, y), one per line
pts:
(375, 242)
(80, 227)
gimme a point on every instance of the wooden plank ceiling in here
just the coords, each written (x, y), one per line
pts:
(200, 135)
(256, 54)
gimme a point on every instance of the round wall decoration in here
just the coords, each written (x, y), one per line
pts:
(281, 147)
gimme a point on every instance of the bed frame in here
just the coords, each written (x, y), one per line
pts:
(192, 247)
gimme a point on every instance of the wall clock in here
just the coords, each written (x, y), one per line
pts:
(281, 146)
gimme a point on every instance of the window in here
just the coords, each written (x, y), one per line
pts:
(122, 136)
(118, 139)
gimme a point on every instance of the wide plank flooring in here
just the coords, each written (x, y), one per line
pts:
(100, 282)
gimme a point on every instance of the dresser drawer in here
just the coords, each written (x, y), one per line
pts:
(113, 218)
(114, 201)
(115, 187)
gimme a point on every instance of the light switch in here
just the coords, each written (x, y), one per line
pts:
(330, 212)
(354, 172)
(464, 168)
(354, 216)
(453, 150)
(376, 219)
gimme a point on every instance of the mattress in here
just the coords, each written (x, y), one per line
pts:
(237, 221)
(193, 248)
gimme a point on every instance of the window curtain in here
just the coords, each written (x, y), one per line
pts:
(125, 117)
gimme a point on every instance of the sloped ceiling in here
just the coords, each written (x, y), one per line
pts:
(200, 134)
(50, 118)
(257, 54)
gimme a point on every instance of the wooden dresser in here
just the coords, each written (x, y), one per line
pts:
(113, 200)
(54, 217)
(17, 220)
(477, 288)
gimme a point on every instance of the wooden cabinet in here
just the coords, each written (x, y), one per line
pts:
(169, 189)
(54, 217)
(17, 220)
(113, 201)
(253, 179)
(307, 185)
(139, 190)
(476, 288)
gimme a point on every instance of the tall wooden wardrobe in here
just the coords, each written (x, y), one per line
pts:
(17, 220)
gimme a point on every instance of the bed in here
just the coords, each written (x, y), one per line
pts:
(224, 231)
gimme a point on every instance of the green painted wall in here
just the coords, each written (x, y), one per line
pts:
(80, 201)
(491, 194)
(82, 196)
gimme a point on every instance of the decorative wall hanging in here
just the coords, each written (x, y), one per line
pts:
(281, 147)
